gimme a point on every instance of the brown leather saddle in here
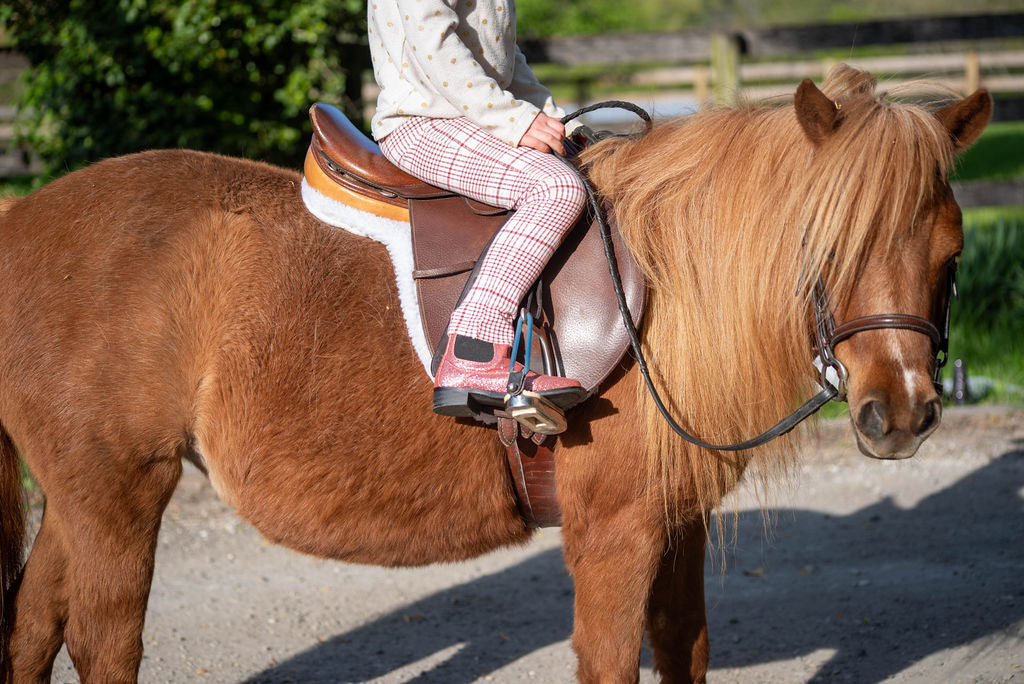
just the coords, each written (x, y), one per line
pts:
(580, 335)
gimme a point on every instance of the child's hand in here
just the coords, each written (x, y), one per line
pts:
(545, 135)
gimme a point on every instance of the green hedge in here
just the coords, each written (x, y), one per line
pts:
(988, 316)
(997, 155)
(115, 76)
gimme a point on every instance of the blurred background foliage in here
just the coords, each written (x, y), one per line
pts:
(109, 77)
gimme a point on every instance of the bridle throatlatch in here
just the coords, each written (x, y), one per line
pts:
(827, 333)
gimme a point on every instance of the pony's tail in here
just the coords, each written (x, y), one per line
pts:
(12, 537)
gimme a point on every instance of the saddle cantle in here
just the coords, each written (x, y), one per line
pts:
(582, 336)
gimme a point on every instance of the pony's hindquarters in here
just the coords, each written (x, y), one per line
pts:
(92, 396)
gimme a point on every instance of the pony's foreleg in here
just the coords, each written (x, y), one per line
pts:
(676, 621)
(40, 606)
(613, 559)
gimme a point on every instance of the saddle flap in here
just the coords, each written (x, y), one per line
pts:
(448, 236)
(580, 307)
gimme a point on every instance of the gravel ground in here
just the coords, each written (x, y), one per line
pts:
(868, 571)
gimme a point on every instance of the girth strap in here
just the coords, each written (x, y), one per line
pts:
(531, 460)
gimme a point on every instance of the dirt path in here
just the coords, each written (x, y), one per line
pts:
(899, 572)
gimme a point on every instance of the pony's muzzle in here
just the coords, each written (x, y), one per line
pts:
(888, 431)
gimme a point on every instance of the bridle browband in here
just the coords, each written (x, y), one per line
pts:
(828, 334)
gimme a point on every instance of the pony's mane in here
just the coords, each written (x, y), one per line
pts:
(732, 214)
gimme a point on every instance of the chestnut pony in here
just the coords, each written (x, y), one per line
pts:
(175, 304)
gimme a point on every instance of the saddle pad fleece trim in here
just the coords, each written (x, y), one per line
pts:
(396, 236)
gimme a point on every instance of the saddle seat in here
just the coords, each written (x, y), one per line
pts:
(577, 318)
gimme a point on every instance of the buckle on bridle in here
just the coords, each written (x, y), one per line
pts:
(825, 327)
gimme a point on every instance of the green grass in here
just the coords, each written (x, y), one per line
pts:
(987, 216)
(987, 328)
(997, 155)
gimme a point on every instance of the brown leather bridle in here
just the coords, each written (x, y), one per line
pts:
(829, 334)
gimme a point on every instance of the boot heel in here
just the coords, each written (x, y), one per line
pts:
(465, 403)
(452, 402)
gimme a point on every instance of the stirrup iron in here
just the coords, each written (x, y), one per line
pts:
(535, 413)
(530, 409)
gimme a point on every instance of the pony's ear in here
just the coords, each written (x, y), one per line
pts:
(817, 114)
(966, 119)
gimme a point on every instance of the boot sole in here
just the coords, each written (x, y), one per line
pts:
(465, 403)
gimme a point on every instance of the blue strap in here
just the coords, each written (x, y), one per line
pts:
(516, 380)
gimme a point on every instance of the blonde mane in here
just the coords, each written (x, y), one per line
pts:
(732, 214)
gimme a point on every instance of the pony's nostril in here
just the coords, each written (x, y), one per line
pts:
(872, 420)
(928, 417)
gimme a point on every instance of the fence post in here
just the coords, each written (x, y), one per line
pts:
(581, 88)
(725, 68)
(826, 66)
(972, 72)
(700, 86)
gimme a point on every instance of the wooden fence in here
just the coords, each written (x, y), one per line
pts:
(961, 52)
(958, 52)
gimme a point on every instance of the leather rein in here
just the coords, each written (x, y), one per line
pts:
(828, 334)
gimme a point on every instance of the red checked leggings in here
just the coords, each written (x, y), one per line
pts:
(546, 195)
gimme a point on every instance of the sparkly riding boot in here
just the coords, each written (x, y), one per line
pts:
(472, 379)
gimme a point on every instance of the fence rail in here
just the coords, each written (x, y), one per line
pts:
(695, 46)
(1001, 71)
(720, 65)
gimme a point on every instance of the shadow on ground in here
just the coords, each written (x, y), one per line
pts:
(883, 588)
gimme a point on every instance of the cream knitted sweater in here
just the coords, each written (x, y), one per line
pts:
(450, 58)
